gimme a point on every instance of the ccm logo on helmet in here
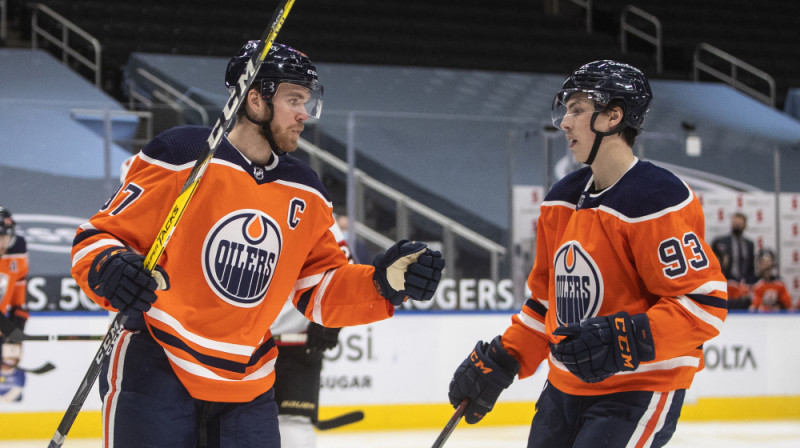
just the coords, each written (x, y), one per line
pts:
(239, 256)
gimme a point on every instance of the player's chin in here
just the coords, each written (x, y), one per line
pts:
(290, 145)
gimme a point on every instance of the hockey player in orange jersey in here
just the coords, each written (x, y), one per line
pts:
(13, 280)
(625, 290)
(769, 292)
(195, 364)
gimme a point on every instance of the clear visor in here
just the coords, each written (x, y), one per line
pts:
(573, 102)
(299, 99)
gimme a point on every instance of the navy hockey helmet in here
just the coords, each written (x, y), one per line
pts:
(606, 81)
(282, 64)
(7, 224)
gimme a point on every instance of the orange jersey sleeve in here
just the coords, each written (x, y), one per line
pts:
(251, 238)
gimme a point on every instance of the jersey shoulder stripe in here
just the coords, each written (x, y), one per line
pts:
(180, 147)
(644, 192)
(570, 187)
(294, 170)
(18, 247)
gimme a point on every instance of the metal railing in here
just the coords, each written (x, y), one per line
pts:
(106, 114)
(404, 204)
(732, 77)
(654, 39)
(174, 101)
(63, 42)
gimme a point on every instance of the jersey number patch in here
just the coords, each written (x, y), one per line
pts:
(132, 192)
(673, 255)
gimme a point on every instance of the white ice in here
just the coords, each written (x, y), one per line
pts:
(688, 435)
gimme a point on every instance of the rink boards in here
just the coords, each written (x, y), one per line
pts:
(398, 371)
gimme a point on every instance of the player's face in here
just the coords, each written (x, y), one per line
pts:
(4, 242)
(577, 125)
(290, 115)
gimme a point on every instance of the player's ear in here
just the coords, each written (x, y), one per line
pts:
(615, 115)
(254, 101)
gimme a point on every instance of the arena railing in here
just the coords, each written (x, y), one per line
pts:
(63, 42)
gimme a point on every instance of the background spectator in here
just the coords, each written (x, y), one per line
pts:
(769, 293)
(736, 257)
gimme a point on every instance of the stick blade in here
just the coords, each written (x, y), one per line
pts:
(344, 419)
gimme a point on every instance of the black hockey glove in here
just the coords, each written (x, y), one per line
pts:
(407, 270)
(596, 348)
(119, 275)
(486, 372)
(319, 339)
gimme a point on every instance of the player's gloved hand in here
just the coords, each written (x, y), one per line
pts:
(598, 347)
(319, 339)
(119, 275)
(486, 372)
(12, 353)
(407, 270)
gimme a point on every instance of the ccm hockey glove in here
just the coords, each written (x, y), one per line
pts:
(407, 270)
(119, 275)
(486, 372)
(596, 348)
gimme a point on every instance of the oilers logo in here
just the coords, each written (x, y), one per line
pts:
(579, 285)
(239, 256)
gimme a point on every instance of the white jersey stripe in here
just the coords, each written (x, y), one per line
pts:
(96, 245)
(317, 299)
(700, 313)
(166, 319)
(201, 371)
(531, 323)
(114, 379)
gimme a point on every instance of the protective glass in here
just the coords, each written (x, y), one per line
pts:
(565, 104)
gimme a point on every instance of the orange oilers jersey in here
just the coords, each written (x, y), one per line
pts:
(251, 237)
(636, 246)
(13, 278)
(770, 296)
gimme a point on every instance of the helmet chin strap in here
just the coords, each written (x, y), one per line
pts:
(598, 138)
(265, 128)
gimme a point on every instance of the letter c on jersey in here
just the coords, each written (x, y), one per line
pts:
(240, 253)
(296, 209)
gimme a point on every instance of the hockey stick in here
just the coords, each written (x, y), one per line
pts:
(62, 337)
(14, 334)
(451, 424)
(335, 422)
(46, 367)
(223, 125)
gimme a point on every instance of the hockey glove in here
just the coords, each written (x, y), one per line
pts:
(486, 372)
(407, 270)
(596, 348)
(319, 339)
(119, 275)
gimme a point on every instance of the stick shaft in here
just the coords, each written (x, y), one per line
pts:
(451, 424)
